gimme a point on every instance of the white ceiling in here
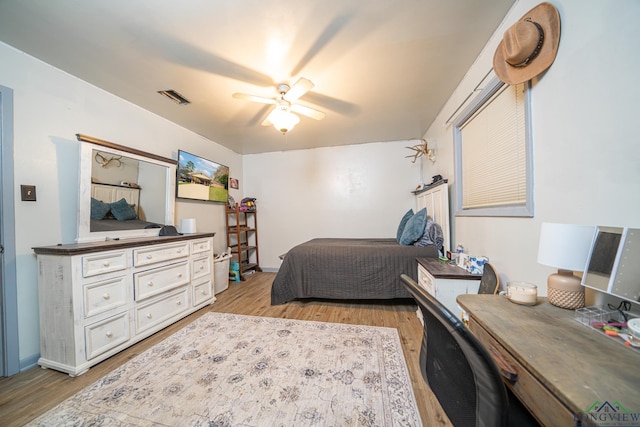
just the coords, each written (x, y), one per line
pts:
(382, 68)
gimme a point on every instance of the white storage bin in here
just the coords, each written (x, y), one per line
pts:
(221, 272)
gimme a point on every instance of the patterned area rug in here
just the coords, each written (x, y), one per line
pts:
(231, 370)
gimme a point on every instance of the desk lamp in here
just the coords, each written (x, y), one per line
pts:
(566, 247)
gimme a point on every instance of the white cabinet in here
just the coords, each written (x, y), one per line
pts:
(445, 282)
(97, 299)
(436, 199)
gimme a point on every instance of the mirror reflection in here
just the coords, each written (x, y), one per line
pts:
(126, 193)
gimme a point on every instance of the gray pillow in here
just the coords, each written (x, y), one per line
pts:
(414, 228)
(122, 210)
(98, 209)
(403, 222)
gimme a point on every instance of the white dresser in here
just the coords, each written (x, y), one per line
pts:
(445, 282)
(97, 299)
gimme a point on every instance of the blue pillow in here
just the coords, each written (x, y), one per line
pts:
(414, 228)
(122, 210)
(98, 209)
(403, 223)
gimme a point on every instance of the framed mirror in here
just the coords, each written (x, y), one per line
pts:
(612, 265)
(123, 192)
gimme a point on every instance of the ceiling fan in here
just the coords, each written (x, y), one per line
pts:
(282, 116)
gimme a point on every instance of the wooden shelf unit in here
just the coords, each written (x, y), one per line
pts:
(242, 238)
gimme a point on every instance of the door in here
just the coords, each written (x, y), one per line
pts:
(9, 352)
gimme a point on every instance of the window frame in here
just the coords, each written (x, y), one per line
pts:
(521, 210)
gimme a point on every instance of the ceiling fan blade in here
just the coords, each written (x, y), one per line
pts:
(301, 87)
(266, 122)
(309, 112)
(254, 98)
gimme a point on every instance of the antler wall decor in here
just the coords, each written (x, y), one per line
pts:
(421, 150)
(104, 161)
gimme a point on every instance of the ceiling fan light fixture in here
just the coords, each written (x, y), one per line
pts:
(283, 119)
(282, 116)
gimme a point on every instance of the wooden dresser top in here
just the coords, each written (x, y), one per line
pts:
(89, 247)
(443, 270)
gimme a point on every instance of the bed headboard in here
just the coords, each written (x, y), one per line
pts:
(436, 199)
(112, 193)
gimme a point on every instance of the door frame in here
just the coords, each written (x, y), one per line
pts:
(9, 339)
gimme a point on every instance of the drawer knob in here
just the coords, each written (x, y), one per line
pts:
(179, 302)
(179, 274)
(150, 284)
(149, 315)
(106, 264)
(109, 334)
(106, 296)
(203, 292)
(149, 257)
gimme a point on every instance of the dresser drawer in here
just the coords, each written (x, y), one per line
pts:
(202, 292)
(107, 334)
(527, 388)
(201, 267)
(426, 281)
(203, 245)
(105, 262)
(165, 307)
(154, 254)
(158, 280)
(105, 295)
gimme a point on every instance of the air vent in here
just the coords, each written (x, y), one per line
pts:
(174, 96)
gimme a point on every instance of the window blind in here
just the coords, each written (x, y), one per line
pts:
(493, 145)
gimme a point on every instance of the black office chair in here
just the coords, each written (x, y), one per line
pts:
(460, 371)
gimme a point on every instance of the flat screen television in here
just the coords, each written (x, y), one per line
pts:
(198, 178)
(613, 266)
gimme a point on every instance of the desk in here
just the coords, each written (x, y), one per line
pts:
(563, 366)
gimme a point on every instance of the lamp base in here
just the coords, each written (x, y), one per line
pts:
(564, 290)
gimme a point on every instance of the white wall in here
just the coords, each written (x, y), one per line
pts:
(351, 191)
(586, 150)
(586, 157)
(50, 107)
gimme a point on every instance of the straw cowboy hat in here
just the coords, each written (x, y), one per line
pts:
(529, 46)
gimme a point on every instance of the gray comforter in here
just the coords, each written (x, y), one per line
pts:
(347, 269)
(115, 225)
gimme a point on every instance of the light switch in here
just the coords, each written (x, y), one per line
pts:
(28, 193)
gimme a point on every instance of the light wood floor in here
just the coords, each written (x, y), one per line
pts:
(31, 393)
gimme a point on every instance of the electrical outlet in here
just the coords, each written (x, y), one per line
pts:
(28, 193)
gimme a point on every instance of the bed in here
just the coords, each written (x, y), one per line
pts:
(347, 269)
(362, 269)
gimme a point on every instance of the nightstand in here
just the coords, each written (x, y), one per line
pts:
(445, 282)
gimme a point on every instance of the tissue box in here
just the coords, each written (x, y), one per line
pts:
(475, 265)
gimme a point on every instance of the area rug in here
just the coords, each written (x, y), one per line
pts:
(228, 370)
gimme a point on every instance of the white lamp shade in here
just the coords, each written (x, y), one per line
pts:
(283, 119)
(565, 246)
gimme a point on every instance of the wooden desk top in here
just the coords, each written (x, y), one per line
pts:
(580, 366)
